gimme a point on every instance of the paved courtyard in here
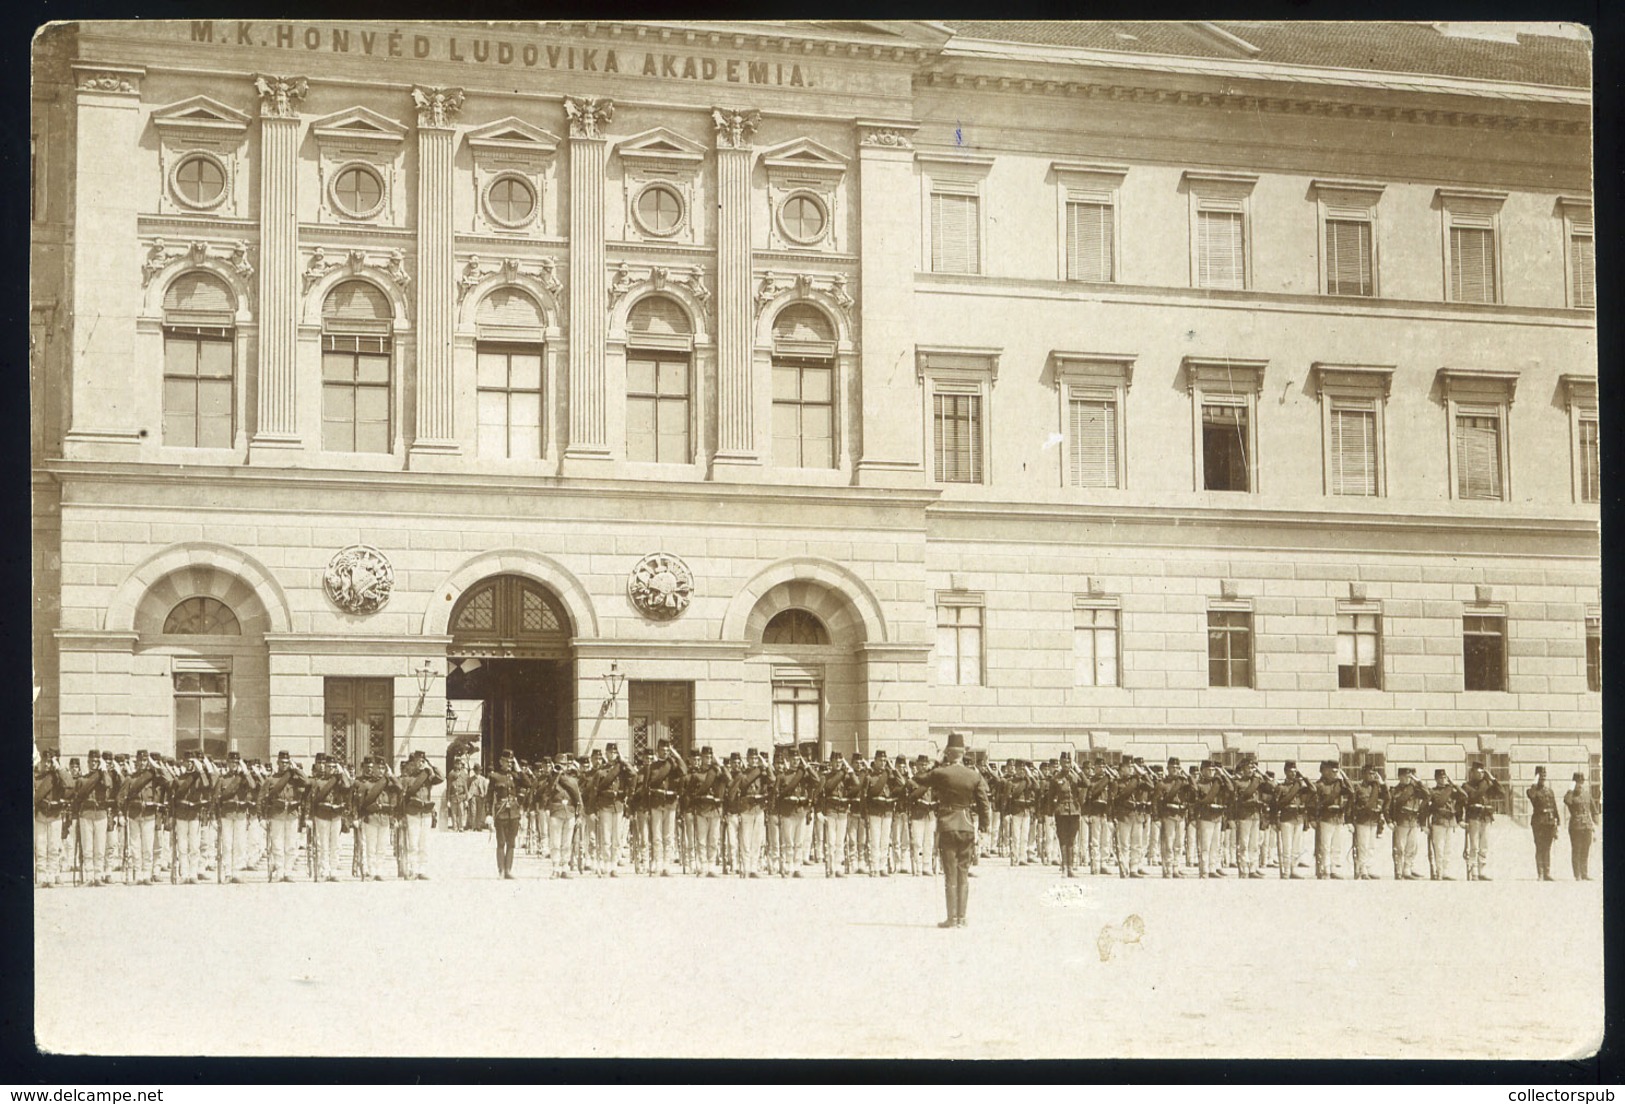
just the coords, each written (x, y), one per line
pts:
(467, 965)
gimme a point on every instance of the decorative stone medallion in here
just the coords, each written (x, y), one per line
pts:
(660, 586)
(359, 579)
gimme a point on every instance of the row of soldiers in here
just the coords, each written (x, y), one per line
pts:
(129, 809)
(745, 815)
(1133, 817)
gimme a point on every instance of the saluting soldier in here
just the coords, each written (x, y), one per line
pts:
(749, 792)
(1370, 813)
(1583, 814)
(1019, 799)
(1446, 804)
(1292, 812)
(190, 798)
(881, 792)
(376, 797)
(1173, 798)
(417, 797)
(1247, 796)
(52, 789)
(559, 793)
(1063, 804)
(922, 810)
(1543, 821)
(1482, 792)
(793, 789)
(1094, 799)
(661, 781)
(1120, 800)
(961, 794)
(282, 800)
(233, 797)
(506, 797)
(1210, 799)
(328, 798)
(1407, 805)
(141, 796)
(840, 789)
(610, 783)
(1333, 795)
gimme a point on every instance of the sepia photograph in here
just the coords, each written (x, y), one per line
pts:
(784, 539)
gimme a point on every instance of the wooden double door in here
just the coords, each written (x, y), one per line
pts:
(661, 711)
(360, 720)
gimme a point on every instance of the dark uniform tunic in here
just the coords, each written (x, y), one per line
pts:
(959, 791)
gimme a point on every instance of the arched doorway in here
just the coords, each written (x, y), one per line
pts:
(802, 666)
(511, 666)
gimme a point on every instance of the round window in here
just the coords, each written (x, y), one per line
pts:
(358, 191)
(803, 218)
(200, 181)
(510, 201)
(660, 210)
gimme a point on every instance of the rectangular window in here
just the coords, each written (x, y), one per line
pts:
(796, 713)
(1583, 268)
(1353, 452)
(803, 414)
(1590, 461)
(355, 393)
(955, 232)
(1095, 646)
(1484, 651)
(1224, 447)
(199, 386)
(510, 402)
(657, 408)
(1230, 648)
(1472, 264)
(1349, 270)
(1594, 652)
(957, 437)
(1093, 442)
(1220, 254)
(1478, 454)
(1359, 650)
(1089, 241)
(959, 645)
(202, 714)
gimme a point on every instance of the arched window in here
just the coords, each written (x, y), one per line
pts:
(200, 362)
(509, 615)
(202, 616)
(509, 374)
(659, 382)
(795, 627)
(803, 388)
(357, 369)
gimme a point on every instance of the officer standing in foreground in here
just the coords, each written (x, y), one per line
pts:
(506, 798)
(1543, 821)
(958, 790)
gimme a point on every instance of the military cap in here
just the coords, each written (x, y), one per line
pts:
(880, 755)
(706, 751)
(609, 747)
(922, 758)
(1440, 772)
(420, 754)
(664, 744)
(561, 757)
(1051, 763)
(1139, 760)
(1290, 764)
(1173, 761)
(283, 755)
(1207, 764)
(1066, 757)
(597, 753)
(93, 754)
(1579, 776)
(834, 755)
(321, 757)
(955, 740)
(1097, 760)
(1407, 770)
(73, 762)
(752, 751)
(734, 757)
(1540, 770)
(142, 754)
(1328, 764)
(1269, 774)
(234, 754)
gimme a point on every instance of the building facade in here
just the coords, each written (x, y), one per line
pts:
(1158, 389)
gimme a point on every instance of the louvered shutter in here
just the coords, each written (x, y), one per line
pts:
(1583, 255)
(1089, 241)
(1472, 264)
(1478, 455)
(1094, 443)
(1590, 462)
(958, 432)
(1348, 257)
(954, 246)
(1220, 263)
(659, 315)
(1354, 451)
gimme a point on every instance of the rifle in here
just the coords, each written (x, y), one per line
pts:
(124, 855)
(78, 854)
(829, 860)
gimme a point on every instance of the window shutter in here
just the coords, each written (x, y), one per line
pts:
(1582, 251)
(1348, 257)
(1478, 456)
(1354, 451)
(1089, 241)
(1590, 466)
(1220, 263)
(1094, 443)
(954, 233)
(1472, 264)
(958, 431)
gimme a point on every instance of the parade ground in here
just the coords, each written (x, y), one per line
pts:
(466, 965)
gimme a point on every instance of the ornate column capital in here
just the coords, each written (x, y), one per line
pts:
(280, 96)
(886, 134)
(588, 115)
(436, 106)
(734, 128)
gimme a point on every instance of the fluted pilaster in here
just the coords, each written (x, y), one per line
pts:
(736, 421)
(276, 413)
(436, 279)
(589, 433)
